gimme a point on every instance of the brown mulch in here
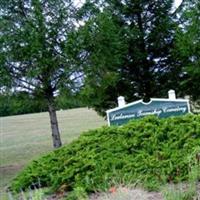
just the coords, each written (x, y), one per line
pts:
(127, 194)
(123, 193)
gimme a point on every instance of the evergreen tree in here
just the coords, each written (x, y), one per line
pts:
(188, 46)
(135, 51)
(35, 50)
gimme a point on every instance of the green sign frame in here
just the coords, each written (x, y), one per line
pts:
(159, 107)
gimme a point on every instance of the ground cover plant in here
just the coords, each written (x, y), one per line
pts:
(149, 152)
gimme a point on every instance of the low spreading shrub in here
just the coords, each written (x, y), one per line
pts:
(185, 191)
(149, 151)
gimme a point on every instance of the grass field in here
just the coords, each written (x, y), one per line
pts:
(25, 137)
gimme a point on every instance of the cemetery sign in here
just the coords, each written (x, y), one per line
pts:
(158, 107)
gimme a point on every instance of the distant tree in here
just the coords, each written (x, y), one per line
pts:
(188, 46)
(23, 102)
(36, 50)
(20, 102)
(132, 43)
(68, 99)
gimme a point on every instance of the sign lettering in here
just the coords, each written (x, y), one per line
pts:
(158, 107)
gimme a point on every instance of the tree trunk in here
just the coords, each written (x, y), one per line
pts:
(54, 126)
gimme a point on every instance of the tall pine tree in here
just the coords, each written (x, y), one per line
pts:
(137, 56)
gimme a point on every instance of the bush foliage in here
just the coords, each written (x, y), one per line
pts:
(149, 151)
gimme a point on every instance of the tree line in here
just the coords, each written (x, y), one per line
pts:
(98, 50)
(22, 102)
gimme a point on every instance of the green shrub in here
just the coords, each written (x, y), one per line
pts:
(77, 194)
(186, 191)
(149, 151)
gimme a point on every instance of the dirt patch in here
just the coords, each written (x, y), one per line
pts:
(7, 173)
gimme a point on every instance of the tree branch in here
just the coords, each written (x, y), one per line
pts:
(18, 76)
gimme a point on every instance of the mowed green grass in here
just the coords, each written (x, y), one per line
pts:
(25, 137)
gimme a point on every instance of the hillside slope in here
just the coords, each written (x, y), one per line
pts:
(25, 137)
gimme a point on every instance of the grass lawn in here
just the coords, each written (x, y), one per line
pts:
(25, 137)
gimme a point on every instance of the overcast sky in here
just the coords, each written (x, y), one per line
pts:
(177, 2)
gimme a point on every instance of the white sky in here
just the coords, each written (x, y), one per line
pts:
(177, 3)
